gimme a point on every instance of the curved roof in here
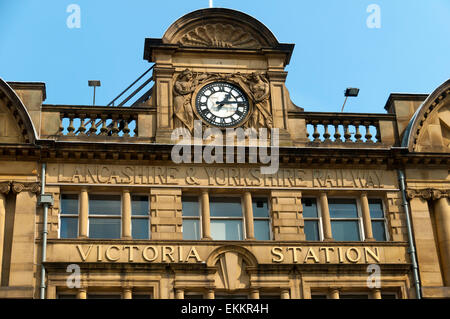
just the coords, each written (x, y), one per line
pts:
(433, 102)
(219, 27)
(19, 111)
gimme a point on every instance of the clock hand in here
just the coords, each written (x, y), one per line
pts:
(227, 97)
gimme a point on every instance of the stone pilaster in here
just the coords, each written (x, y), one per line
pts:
(23, 245)
(287, 218)
(396, 217)
(166, 213)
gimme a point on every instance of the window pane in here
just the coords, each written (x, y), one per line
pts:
(139, 205)
(262, 231)
(312, 230)
(309, 207)
(345, 230)
(190, 206)
(376, 208)
(260, 207)
(69, 227)
(139, 228)
(342, 208)
(193, 296)
(378, 230)
(69, 204)
(225, 207)
(191, 229)
(104, 228)
(104, 205)
(388, 296)
(226, 229)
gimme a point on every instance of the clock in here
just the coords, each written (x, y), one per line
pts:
(222, 104)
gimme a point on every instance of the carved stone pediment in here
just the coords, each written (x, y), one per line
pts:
(219, 35)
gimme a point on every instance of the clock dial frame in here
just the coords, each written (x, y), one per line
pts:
(222, 104)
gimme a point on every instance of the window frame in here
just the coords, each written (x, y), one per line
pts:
(105, 216)
(359, 218)
(199, 217)
(268, 218)
(242, 218)
(61, 216)
(319, 218)
(384, 219)
(138, 216)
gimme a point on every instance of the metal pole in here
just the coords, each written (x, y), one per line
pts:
(412, 249)
(344, 103)
(44, 234)
(94, 96)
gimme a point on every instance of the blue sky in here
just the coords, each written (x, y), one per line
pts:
(334, 48)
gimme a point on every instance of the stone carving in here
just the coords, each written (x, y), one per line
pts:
(28, 187)
(427, 193)
(255, 84)
(185, 85)
(219, 35)
(5, 188)
(259, 89)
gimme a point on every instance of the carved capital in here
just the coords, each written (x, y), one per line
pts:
(5, 187)
(427, 193)
(27, 187)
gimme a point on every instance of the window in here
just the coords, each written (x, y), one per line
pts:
(226, 218)
(311, 218)
(69, 216)
(139, 217)
(191, 218)
(103, 296)
(104, 216)
(261, 218)
(377, 219)
(344, 219)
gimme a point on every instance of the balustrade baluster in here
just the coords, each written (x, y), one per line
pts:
(357, 133)
(115, 128)
(126, 130)
(337, 134)
(93, 129)
(70, 128)
(347, 134)
(326, 134)
(104, 128)
(316, 133)
(82, 128)
(368, 136)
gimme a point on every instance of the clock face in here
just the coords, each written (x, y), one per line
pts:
(222, 104)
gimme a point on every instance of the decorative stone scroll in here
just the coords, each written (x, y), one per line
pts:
(5, 188)
(256, 85)
(219, 35)
(427, 193)
(26, 187)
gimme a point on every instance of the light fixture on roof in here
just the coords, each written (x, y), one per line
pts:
(349, 92)
(94, 83)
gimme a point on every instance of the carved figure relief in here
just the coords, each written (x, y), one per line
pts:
(219, 35)
(255, 84)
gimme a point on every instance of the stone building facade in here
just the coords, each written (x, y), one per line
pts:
(92, 204)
